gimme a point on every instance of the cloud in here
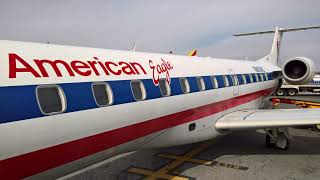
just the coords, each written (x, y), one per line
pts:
(160, 26)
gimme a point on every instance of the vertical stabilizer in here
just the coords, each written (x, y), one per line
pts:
(275, 49)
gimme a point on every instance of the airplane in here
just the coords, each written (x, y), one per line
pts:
(65, 108)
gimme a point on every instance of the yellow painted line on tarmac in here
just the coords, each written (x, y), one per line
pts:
(140, 171)
(173, 165)
(150, 173)
(187, 159)
(202, 161)
(163, 173)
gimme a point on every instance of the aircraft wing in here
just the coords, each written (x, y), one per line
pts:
(268, 118)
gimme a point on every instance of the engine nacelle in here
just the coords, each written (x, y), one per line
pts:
(298, 70)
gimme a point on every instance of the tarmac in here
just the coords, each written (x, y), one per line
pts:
(238, 155)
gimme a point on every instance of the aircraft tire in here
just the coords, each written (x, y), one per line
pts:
(281, 92)
(269, 142)
(283, 142)
(292, 92)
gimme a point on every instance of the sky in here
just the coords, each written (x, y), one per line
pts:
(161, 26)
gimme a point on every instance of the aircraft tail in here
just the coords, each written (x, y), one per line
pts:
(273, 56)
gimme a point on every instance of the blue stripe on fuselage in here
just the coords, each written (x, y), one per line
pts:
(20, 102)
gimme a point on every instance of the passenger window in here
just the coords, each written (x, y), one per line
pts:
(262, 77)
(138, 90)
(251, 78)
(184, 85)
(225, 81)
(266, 76)
(164, 87)
(257, 77)
(214, 82)
(102, 93)
(201, 84)
(235, 80)
(244, 79)
(51, 99)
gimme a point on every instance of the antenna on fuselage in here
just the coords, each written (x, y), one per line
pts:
(133, 48)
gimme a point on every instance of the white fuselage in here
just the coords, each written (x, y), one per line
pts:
(39, 145)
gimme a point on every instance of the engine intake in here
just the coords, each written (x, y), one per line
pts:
(298, 70)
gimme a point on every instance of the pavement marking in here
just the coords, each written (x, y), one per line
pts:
(216, 163)
(163, 173)
(202, 161)
(150, 173)
(186, 159)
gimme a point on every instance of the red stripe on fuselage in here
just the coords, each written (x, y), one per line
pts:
(38, 161)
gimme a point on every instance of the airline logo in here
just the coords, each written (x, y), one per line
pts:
(82, 68)
(39, 68)
(158, 69)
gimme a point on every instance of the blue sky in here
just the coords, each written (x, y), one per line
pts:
(161, 26)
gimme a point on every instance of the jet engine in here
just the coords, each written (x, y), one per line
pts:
(298, 70)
